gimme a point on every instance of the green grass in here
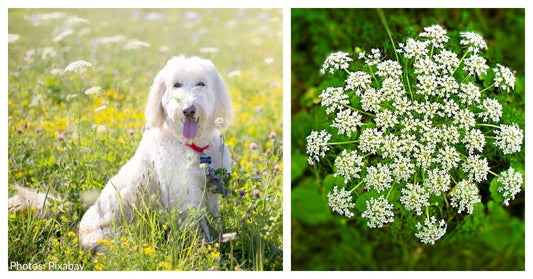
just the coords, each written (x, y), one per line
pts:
(69, 143)
(492, 238)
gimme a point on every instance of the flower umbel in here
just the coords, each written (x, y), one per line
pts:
(416, 132)
(341, 202)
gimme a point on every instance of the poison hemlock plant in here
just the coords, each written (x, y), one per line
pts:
(413, 131)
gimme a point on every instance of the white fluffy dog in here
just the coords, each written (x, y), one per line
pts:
(187, 105)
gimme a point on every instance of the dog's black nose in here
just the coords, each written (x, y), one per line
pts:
(190, 111)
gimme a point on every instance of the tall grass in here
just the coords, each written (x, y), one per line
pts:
(67, 142)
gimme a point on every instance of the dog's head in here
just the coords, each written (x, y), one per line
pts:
(189, 96)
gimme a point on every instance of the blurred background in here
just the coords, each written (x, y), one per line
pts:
(494, 239)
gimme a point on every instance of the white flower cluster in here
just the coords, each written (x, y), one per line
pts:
(416, 130)
(341, 202)
(432, 231)
(512, 183)
(378, 212)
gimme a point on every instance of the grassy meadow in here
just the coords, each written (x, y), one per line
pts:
(66, 140)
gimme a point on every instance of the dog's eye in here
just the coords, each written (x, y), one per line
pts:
(200, 84)
(177, 85)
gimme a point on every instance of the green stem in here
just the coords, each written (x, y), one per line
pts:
(358, 110)
(494, 173)
(390, 190)
(492, 85)
(384, 22)
(461, 61)
(343, 142)
(357, 186)
(488, 125)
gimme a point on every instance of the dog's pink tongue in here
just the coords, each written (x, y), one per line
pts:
(190, 128)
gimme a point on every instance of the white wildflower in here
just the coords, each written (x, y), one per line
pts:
(476, 168)
(347, 122)
(465, 118)
(511, 181)
(465, 196)
(413, 48)
(437, 181)
(475, 65)
(341, 202)
(447, 61)
(448, 157)
(93, 90)
(492, 109)
(317, 145)
(77, 65)
(358, 81)
(474, 140)
(414, 198)
(336, 61)
(371, 100)
(348, 165)
(436, 34)
(370, 140)
(474, 41)
(503, 78)
(509, 138)
(386, 119)
(371, 59)
(378, 212)
(431, 231)
(378, 177)
(402, 168)
(389, 68)
(469, 93)
(333, 98)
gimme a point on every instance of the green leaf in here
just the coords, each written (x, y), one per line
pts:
(309, 206)
(493, 188)
(298, 166)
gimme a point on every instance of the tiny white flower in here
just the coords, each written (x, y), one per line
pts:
(511, 181)
(77, 65)
(336, 61)
(378, 212)
(436, 34)
(469, 93)
(465, 196)
(389, 68)
(347, 122)
(341, 202)
(492, 109)
(474, 141)
(333, 98)
(509, 138)
(317, 145)
(503, 78)
(475, 65)
(93, 90)
(414, 198)
(437, 181)
(348, 165)
(358, 81)
(474, 41)
(378, 177)
(431, 231)
(370, 140)
(476, 168)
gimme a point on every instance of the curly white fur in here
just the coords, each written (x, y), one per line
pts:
(187, 103)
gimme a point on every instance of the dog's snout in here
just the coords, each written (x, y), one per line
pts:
(190, 111)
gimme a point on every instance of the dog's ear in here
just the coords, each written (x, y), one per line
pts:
(154, 111)
(223, 107)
